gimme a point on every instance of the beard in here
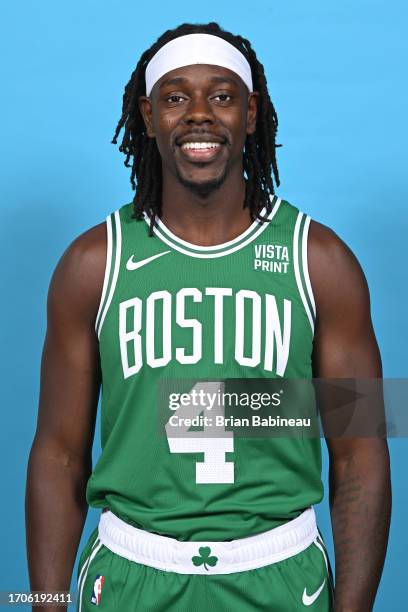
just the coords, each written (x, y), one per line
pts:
(203, 189)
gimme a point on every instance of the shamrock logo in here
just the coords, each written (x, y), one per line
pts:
(205, 558)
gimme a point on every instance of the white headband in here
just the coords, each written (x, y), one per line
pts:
(197, 49)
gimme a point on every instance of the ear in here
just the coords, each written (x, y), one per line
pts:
(252, 112)
(145, 107)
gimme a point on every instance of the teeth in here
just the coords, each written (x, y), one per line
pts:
(200, 145)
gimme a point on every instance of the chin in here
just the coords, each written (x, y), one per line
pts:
(202, 188)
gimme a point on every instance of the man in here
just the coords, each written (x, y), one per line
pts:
(207, 275)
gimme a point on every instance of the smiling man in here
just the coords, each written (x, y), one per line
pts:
(207, 275)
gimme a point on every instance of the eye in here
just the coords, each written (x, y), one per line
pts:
(223, 97)
(174, 99)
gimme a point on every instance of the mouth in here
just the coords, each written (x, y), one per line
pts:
(199, 150)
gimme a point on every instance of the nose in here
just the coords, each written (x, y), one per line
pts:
(199, 111)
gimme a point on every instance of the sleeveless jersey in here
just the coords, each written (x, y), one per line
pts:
(171, 310)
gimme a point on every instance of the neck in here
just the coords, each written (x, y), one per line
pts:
(205, 221)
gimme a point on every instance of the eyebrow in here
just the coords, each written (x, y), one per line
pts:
(213, 79)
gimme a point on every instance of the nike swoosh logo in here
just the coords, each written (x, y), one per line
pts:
(307, 600)
(134, 265)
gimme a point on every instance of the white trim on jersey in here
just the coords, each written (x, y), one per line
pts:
(297, 270)
(86, 567)
(107, 269)
(228, 251)
(214, 247)
(86, 561)
(306, 264)
(320, 547)
(118, 252)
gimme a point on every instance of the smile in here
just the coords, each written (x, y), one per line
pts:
(201, 151)
(192, 146)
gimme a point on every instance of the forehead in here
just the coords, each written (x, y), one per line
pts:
(199, 75)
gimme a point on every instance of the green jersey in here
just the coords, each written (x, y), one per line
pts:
(171, 310)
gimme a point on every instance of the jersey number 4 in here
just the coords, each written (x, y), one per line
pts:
(213, 440)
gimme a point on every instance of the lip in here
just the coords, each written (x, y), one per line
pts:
(200, 137)
(200, 155)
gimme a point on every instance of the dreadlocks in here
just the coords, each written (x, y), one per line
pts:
(259, 157)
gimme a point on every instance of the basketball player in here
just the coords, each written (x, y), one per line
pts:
(206, 275)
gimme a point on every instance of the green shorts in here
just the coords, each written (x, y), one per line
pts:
(114, 583)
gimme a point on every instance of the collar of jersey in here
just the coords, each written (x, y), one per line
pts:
(217, 250)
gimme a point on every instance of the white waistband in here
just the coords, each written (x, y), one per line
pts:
(208, 557)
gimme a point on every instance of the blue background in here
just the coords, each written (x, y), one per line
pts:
(337, 76)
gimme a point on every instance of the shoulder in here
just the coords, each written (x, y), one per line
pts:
(77, 280)
(335, 272)
(88, 249)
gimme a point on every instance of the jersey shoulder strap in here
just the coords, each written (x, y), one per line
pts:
(299, 223)
(120, 228)
(113, 253)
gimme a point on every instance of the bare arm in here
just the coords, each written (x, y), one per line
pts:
(60, 460)
(359, 477)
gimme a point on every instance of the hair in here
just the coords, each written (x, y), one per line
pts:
(259, 155)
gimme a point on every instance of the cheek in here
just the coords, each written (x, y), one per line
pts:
(163, 126)
(237, 125)
(167, 123)
(163, 137)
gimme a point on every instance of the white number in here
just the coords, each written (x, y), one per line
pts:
(214, 469)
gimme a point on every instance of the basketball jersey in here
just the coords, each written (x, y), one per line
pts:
(174, 311)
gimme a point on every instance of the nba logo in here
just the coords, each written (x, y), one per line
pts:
(97, 590)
